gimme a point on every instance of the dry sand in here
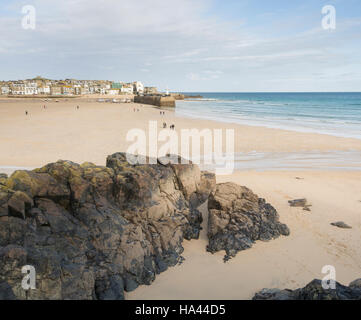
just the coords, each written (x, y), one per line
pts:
(98, 129)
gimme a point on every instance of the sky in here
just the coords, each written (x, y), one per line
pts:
(186, 45)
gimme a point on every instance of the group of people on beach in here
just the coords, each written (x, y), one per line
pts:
(172, 127)
(45, 107)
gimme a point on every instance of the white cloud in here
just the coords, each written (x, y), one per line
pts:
(75, 38)
(204, 75)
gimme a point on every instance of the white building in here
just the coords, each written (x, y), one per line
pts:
(84, 90)
(101, 90)
(31, 88)
(5, 90)
(44, 90)
(138, 87)
(77, 89)
(18, 89)
(113, 91)
(127, 89)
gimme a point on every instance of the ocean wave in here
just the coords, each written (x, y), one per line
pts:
(307, 160)
(318, 115)
(200, 99)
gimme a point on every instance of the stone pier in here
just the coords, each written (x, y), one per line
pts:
(159, 101)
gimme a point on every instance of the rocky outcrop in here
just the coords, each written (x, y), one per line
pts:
(92, 232)
(341, 225)
(300, 203)
(237, 218)
(314, 291)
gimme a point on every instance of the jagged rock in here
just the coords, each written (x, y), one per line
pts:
(18, 204)
(92, 232)
(313, 291)
(341, 224)
(237, 218)
(14, 203)
(36, 184)
(3, 178)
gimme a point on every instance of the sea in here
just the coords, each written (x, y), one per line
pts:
(337, 114)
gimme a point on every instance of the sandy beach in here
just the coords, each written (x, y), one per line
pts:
(61, 131)
(95, 130)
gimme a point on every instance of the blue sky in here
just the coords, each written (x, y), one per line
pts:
(187, 45)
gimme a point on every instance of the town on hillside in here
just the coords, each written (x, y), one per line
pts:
(72, 87)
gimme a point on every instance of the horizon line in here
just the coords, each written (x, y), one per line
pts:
(266, 92)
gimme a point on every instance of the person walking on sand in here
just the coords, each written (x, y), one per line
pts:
(26, 112)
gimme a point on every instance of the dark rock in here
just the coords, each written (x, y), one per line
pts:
(92, 232)
(6, 292)
(273, 294)
(237, 218)
(313, 291)
(130, 284)
(19, 204)
(111, 288)
(341, 224)
(298, 203)
(161, 265)
(301, 203)
(356, 284)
